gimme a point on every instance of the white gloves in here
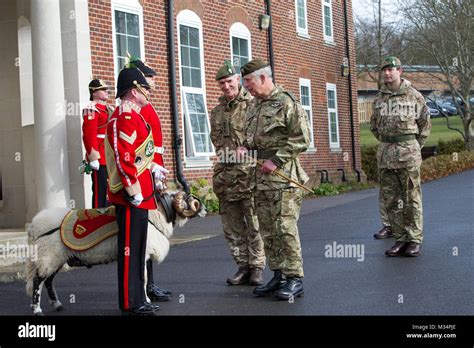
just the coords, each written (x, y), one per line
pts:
(95, 165)
(159, 173)
(137, 199)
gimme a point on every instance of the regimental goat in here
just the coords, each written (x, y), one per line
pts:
(53, 254)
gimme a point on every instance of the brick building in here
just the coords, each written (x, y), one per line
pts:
(63, 43)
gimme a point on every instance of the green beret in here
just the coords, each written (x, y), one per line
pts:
(252, 66)
(227, 70)
(390, 61)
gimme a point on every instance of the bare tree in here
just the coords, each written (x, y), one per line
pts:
(443, 30)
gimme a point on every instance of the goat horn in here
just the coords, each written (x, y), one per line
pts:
(194, 206)
(179, 203)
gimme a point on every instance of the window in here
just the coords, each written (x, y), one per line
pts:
(196, 121)
(301, 17)
(240, 45)
(327, 21)
(306, 103)
(332, 115)
(127, 26)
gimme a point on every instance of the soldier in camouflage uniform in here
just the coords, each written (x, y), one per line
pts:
(401, 122)
(277, 128)
(233, 179)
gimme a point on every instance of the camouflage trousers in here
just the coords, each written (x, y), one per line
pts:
(400, 191)
(278, 212)
(383, 212)
(240, 226)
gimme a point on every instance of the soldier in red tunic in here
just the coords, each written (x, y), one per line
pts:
(154, 292)
(96, 115)
(129, 151)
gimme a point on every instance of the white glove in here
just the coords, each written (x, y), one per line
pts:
(95, 165)
(137, 199)
(159, 172)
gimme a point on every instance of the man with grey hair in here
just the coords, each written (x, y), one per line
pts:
(234, 179)
(277, 128)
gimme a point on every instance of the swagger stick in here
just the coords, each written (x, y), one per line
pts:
(281, 175)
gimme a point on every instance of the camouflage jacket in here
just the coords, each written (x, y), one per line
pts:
(277, 127)
(397, 115)
(233, 178)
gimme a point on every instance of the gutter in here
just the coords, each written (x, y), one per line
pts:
(177, 141)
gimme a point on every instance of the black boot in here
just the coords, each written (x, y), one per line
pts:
(293, 288)
(274, 284)
(154, 292)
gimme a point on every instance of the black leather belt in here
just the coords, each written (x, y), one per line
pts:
(398, 138)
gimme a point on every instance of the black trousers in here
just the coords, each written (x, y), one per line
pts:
(99, 187)
(133, 225)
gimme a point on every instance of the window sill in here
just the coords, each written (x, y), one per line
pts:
(330, 43)
(189, 163)
(335, 149)
(303, 35)
(312, 149)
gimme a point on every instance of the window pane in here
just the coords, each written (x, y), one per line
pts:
(120, 64)
(134, 46)
(185, 56)
(235, 45)
(327, 21)
(120, 22)
(333, 122)
(244, 48)
(193, 37)
(183, 32)
(195, 58)
(198, 122)
(121, 45)
(196, 78)
(186, 77)
(331, 100)
(132, 24)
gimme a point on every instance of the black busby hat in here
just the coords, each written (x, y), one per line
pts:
(136, 62)
(130, 78)
(96, 85)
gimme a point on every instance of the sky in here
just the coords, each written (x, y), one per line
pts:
(367, 9)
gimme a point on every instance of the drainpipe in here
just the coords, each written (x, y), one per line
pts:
(351, 112)
(177, 141)
(268, 4)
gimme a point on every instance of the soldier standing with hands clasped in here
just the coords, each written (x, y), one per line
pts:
(234, 179)
(401, 122)
(277, 128)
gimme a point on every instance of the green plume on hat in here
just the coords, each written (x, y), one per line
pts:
(130, 61)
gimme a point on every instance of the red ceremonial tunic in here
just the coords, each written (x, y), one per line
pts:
(151, 117)
(94, 127)
(129, 146)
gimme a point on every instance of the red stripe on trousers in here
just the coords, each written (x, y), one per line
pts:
(96, 189)
(127, 257)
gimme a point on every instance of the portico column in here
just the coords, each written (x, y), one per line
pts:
(50, 123)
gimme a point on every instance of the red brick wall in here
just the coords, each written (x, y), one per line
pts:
(295, 57)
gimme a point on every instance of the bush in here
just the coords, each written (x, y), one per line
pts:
(327, 189)
(443, 165)
(202, 190)
(451, 146)
(369, 162)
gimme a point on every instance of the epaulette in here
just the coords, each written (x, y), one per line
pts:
(125, 108)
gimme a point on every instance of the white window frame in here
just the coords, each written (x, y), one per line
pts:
(239, 30)
(328, 38)
(132, 7)
(332, 87)
(199, 159)
(302, 31)
(307, 83)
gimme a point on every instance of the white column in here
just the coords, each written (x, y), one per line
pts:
(50, 124)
